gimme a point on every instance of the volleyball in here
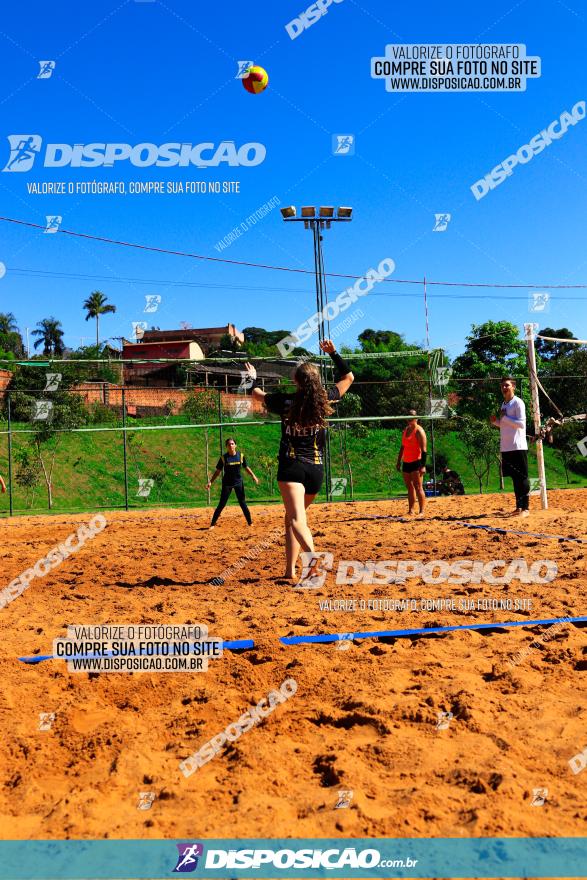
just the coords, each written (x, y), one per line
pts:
(256, 80)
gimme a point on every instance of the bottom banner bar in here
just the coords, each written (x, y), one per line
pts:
(304, 858)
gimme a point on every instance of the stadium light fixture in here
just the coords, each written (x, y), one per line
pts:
(326, 212)
(288, 212)
(345, 213)
(309, 211)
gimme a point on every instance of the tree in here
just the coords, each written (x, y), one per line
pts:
(550, 351)
(268, 464)
(564, 381)
(67, 414)
(494, 349)
(7, 322)
(381, 340)
(50, 335)
(349, 407)
(382, 383)
(226, 343)
(11, 343)
(565, 438)
(479, 440)
(97, 368)
(28, 474)
(257, 335)
(96, 305)
(202, 407)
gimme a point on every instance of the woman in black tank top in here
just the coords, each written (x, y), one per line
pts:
(229, 465)
(304, 414)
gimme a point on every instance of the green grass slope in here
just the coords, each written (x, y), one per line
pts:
(89, 469)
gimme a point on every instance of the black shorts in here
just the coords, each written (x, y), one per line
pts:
(408, 467)
(294, 471)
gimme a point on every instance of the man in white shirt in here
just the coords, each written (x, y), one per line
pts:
(513, 444)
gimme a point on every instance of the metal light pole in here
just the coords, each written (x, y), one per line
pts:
(317, 221)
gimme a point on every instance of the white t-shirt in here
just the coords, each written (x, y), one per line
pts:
(512, 425)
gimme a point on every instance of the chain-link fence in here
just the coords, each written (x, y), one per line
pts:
(100, 445)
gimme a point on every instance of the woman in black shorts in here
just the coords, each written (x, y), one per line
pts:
(300, 461)
(229, 465)
(413, 453)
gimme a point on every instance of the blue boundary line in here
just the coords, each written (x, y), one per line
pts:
(243, 644)
(402, 633)
(462, 522)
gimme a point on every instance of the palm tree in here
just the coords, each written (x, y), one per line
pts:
(50, 336)
(10, 338)
(96, 305)
(8, 323)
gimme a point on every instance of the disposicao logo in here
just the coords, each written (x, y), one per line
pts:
(24, 149)
(187, 860)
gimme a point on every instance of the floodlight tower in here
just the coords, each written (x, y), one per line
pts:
(317, 220)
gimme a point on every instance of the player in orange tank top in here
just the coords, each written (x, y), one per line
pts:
(413, 454)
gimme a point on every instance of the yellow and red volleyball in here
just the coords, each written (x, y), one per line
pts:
(256, 80)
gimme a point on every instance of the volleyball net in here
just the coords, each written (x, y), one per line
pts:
(68, 445)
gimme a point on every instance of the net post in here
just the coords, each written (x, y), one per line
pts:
(10, 499)
(220, 436)
(124, 449)
(529, 330)
(433, 449)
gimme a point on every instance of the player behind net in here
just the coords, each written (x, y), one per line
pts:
(300, 470)
(411, 458)
(229, 465)
(513, 444)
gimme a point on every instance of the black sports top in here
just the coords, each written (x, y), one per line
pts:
(231, 467)
(302, 443)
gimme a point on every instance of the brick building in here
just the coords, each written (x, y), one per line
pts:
(191, 344)
(5, 379)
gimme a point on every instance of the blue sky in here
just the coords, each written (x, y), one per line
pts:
(136, 72)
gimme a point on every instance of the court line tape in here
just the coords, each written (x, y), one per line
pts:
(243, 644)
(469, 525)
(237, 645)
(402, 633)
(462, 522)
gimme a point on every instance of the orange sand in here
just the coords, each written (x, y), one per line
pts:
(362, 719)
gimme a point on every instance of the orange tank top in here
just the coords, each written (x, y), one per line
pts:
(412, 449)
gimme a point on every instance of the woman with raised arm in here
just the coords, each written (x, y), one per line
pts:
(300, 471)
